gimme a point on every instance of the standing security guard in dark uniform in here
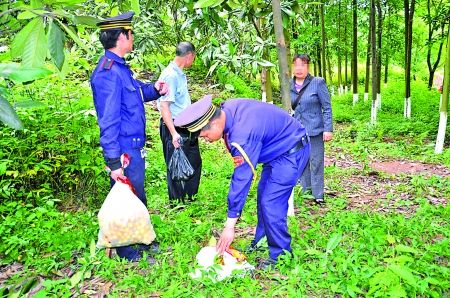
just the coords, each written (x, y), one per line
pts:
(119, 102)
(255, 132)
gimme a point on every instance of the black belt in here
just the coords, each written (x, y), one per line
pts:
(300, 144)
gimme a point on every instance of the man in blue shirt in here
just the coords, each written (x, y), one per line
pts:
(170, 106)
(119, 102)
(255, 132)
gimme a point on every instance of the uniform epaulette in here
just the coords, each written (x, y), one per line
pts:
(107, 63)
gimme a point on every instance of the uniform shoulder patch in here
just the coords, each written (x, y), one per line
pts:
(107, 63)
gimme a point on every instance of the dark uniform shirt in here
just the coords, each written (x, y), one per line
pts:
(265, 132)
(118, 100)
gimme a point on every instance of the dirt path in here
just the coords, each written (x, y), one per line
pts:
(388, 185)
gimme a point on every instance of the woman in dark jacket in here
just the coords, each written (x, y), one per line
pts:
(312, 107)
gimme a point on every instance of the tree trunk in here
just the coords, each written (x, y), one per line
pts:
(366, 81)
(355, 52)
(287, 37)
(330, 71)
(443, 111)
(266, 80)
(379, 36)
(282, 55)
(340, 89)
(373, 114)
(322, 25)
(346, 56)
(319, 61)
(386, 69)
(409, 14)
(315, 24)
(388, 34)
(432, 68)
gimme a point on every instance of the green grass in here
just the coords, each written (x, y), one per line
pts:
(49, 226)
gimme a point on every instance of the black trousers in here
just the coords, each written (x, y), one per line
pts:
(182, 190)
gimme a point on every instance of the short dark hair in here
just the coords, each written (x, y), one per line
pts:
(216, 115)
(303, 57)
(108, 38)
(184, 48)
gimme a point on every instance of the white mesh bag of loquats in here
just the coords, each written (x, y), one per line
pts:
(123, 218)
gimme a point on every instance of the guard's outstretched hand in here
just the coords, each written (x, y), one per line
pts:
(225, 240)
(162, 87)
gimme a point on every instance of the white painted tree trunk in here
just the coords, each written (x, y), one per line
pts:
(345, 89)
(379, 101)
(407, 108)
(290, 211)
(355, 98)
(341, 89)
(373, 114)
(264, 96)
(366, 96)
(441, 132)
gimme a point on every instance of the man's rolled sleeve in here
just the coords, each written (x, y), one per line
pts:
(149, 91)
(171, 82)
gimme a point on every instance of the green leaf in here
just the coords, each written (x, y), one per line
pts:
(8, 115)
(20, 74)
(92, 248)
(229, 87)
(3, 167)
(404, 273)
(313, 251)
(29, 104)
(29, 14)
(265, 63)
(390, 239)
(64, 2)
(207, 3)
(36, 3)
(21, 38)
(334, 241)
(74, 36)
(76, 278)
(231, 48)
(35, 49)
(397, 291)
(86, 20)
(404, 248)
(135, 7)
(56, 44)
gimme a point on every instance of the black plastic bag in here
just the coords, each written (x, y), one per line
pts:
(180, 168)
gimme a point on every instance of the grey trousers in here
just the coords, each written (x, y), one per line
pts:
(313, 175)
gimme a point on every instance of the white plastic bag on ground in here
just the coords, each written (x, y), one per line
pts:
(208, 267)
(123, 219)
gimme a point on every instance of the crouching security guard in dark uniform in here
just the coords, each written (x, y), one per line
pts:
(255, 132)
(119, 102)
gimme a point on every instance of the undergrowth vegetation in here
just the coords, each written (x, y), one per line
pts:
(52, 183)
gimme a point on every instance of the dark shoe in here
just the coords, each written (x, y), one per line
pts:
(319, 201)
(266, 264)
(254, 248)
(153, 248)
